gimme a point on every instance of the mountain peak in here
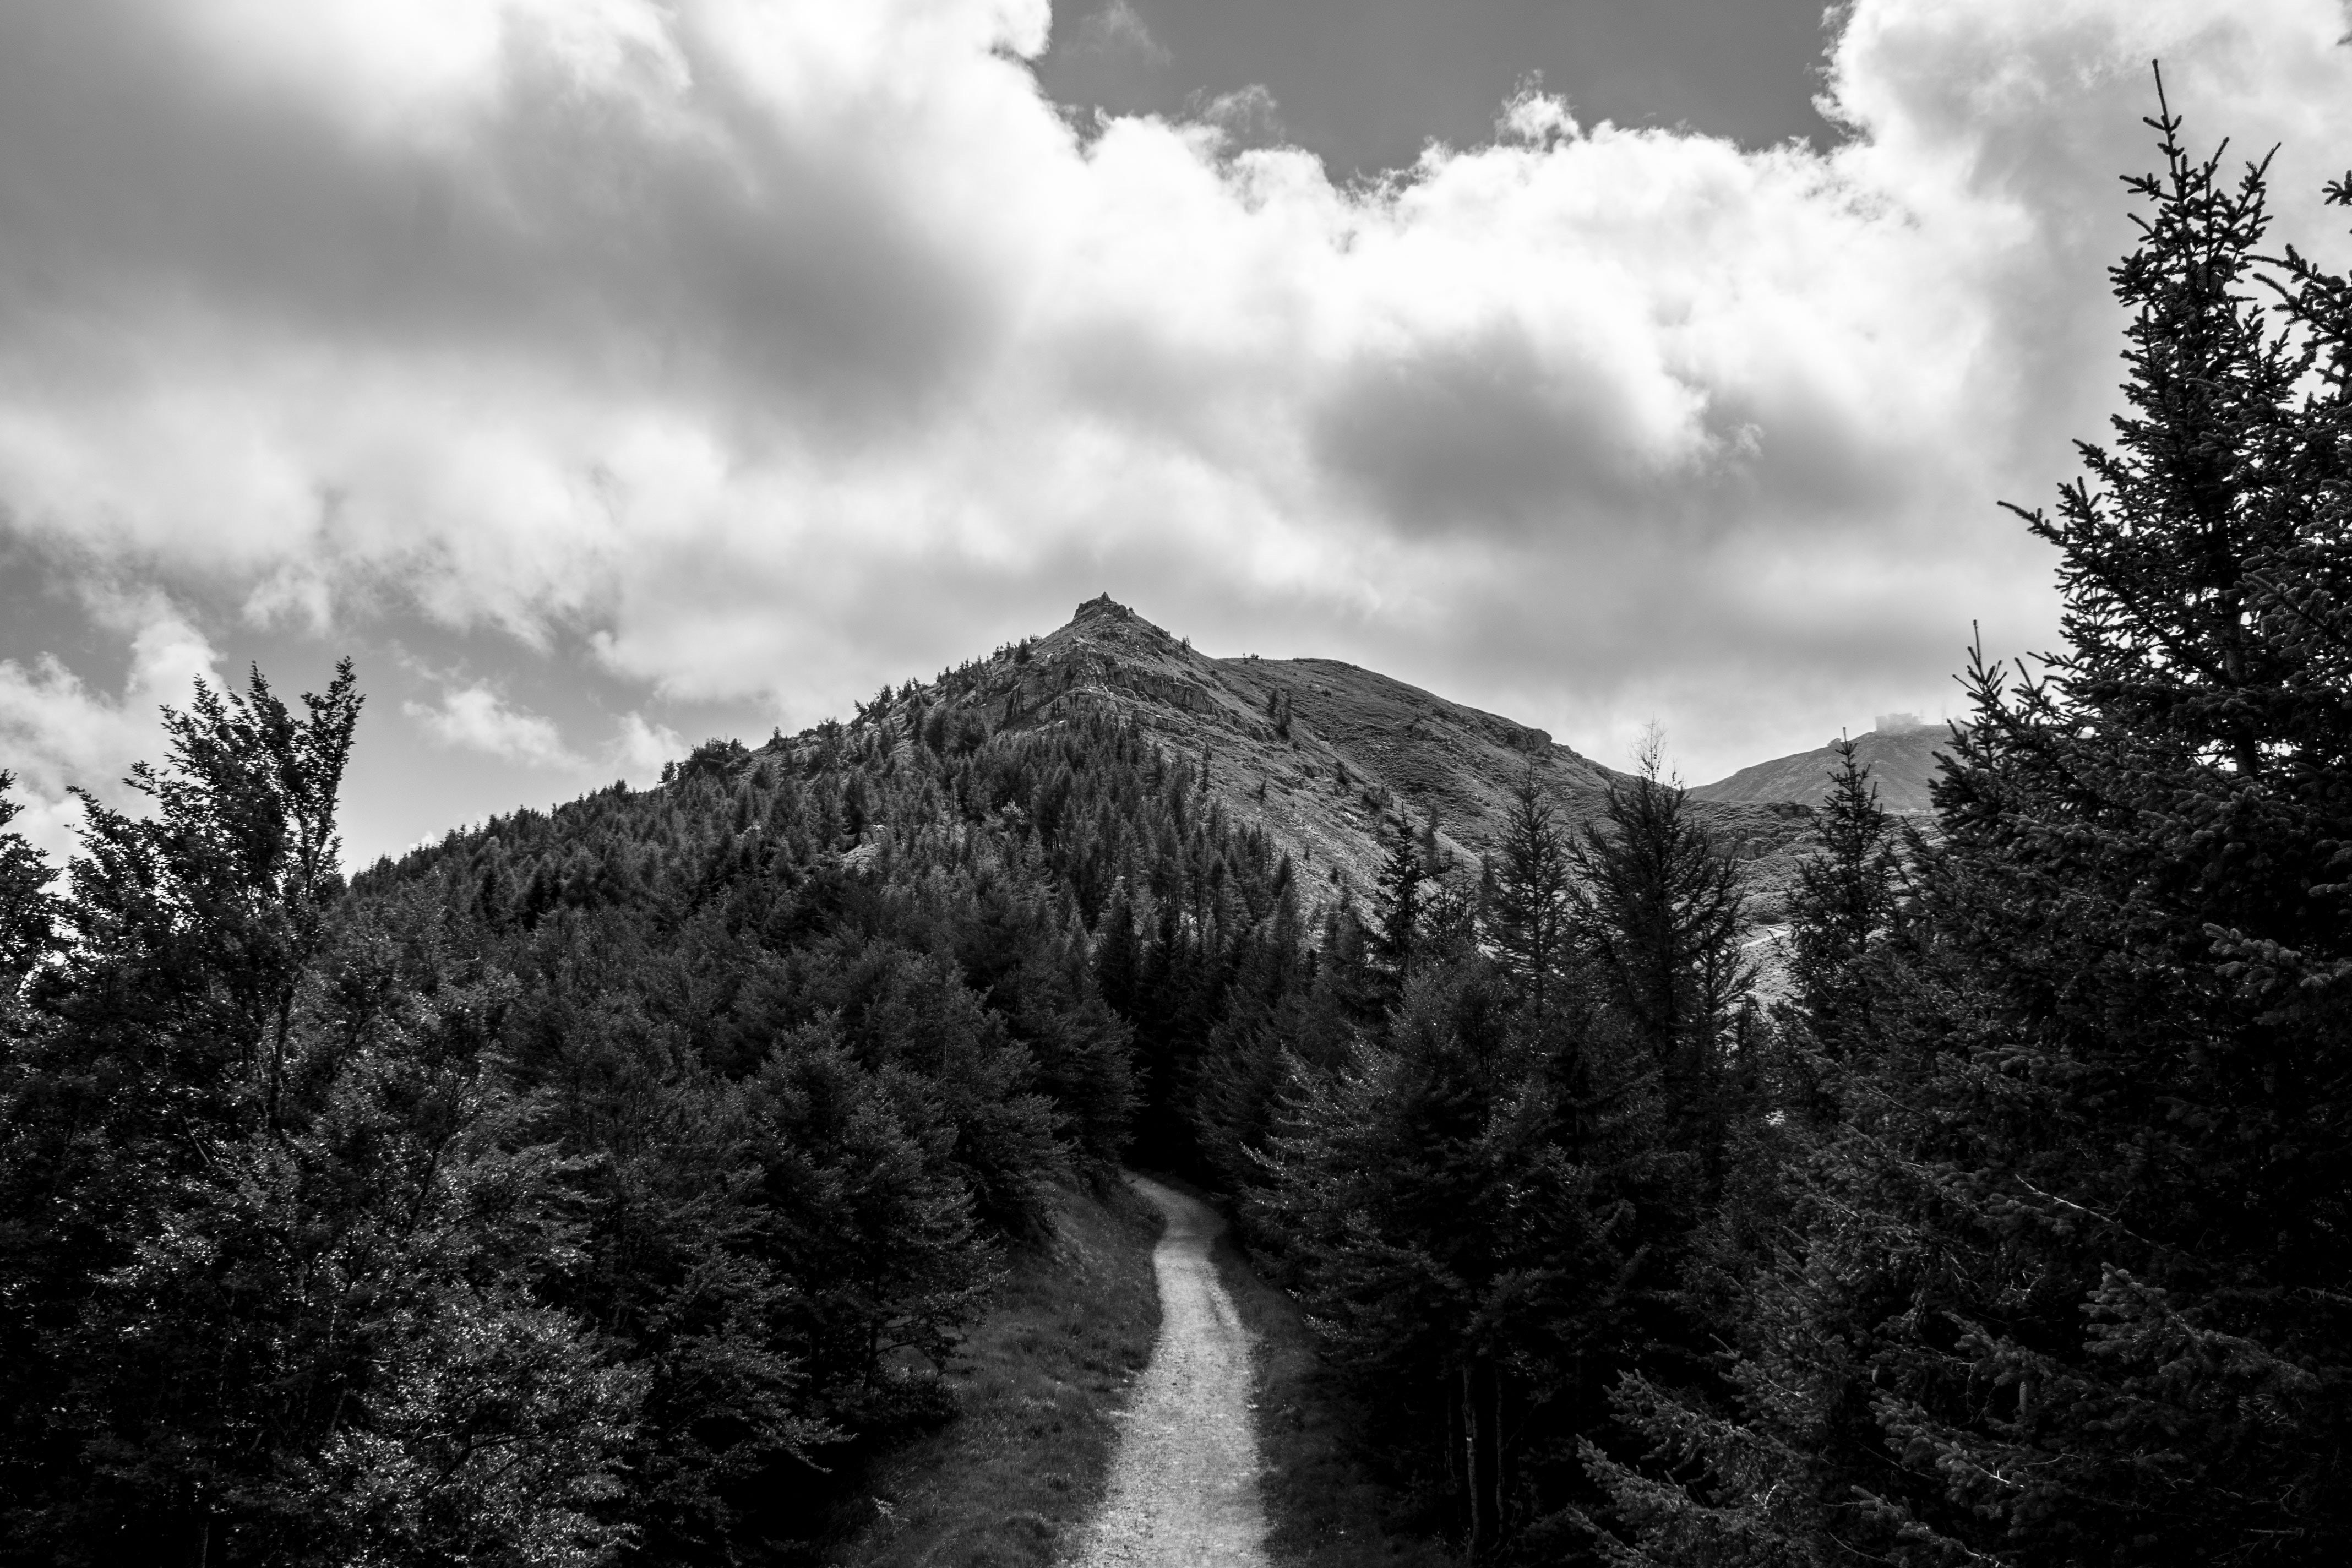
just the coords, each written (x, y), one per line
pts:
(1106, 627)
(1328, 761)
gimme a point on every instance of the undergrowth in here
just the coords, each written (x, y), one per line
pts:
(1021, 1470)
(1324, 1508)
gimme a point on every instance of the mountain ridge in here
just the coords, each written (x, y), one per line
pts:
(1903, 764)
(1330, 758)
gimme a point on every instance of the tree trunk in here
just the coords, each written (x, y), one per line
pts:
(1470, 1459)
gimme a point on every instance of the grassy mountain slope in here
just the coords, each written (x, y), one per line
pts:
(1039, 1385)
(1902, 763)
(994, 932)
(1323, 755)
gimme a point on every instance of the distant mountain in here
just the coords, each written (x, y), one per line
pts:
(1312, 759)
(1902, 762)
(1324, 755)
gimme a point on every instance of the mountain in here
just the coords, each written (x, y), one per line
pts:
(1902, 763)
(701, 1117)
(1325, 757)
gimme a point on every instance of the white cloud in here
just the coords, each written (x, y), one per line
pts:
(477, 719)
(783, 348)
(1246, 117)
(56, 732)
(641, 748)
(1117, 28)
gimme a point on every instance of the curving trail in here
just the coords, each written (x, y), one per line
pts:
(1183, 1487)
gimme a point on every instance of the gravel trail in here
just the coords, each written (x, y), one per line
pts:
(1183, 1486)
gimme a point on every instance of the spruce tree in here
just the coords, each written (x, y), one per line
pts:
(28, 912)
(1527, 903)
(1471, 1272)
(1400, 902)
(268, 1229)
(2075, 1283)
(1658, 918)
(1842, 902)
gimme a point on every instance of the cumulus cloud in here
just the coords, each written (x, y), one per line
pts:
(56, 733)
(642, 746)
(773, 350)
(1246, 117)
(1116, 28)
(477, 719)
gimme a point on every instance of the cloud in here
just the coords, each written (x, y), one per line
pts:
(1246, 117)
(1116, 29)
(642, 746)
(56, 732)
(771, 351)
(477, 719)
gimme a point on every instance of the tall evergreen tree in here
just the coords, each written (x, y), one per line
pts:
(1529, 908)
(28, 910)
(2076, 1283)
(1465, 1270)
(1401, 906)
(1658, 917)
(1842, 902)
(270, 1242)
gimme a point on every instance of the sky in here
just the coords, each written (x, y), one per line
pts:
(605, 376)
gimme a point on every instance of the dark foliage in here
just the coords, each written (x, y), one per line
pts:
(1483, 1177)
(606, 1181)
(612, 1183)
(2065, 1277)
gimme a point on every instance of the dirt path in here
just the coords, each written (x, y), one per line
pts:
(1183, 1488)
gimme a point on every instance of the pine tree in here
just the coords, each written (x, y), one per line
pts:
(1528, 908)
(1658, 918)
(1401, 906)
(28, 912)
(2076, 1284)
(271, 1240)
(1842, 902)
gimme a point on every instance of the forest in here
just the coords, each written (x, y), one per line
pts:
(607, 1184)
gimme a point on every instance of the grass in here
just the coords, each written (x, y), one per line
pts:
(1008, 1482)
(1323, 1507)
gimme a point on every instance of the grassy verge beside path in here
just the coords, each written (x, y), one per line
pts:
(1324, 1508)
(1012, 1479)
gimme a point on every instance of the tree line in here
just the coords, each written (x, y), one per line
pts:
(2018, 1228)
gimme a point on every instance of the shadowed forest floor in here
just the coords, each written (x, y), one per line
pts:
(1323, 1507)
(1010, 1481)
(1015, 1479)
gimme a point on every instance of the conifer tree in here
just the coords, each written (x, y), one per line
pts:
(28, 912)
(2077, 1278)
(269, 1241)
(1658, 918)
(1528, 906)
(1843, 901)
(1401, 905)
